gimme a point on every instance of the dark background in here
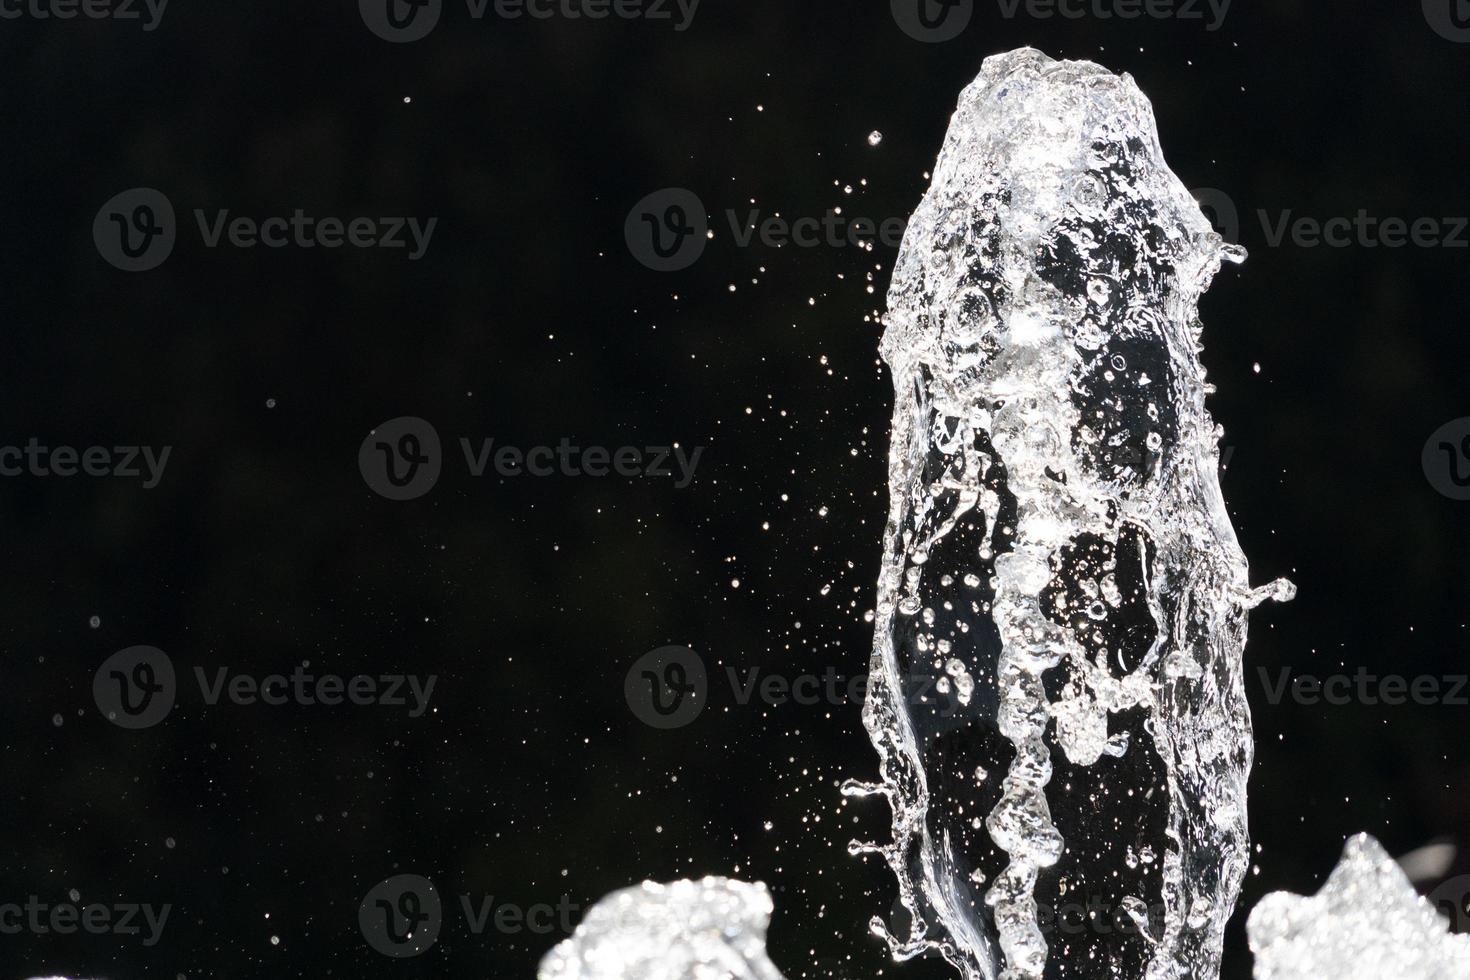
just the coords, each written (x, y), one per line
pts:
(529, 321)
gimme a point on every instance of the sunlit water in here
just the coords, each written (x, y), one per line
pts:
(712, 929)
(1366, 923)
(1058, 561)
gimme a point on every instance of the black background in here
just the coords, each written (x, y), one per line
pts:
(529, 321)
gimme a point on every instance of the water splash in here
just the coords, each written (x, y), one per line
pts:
(687, 930)
(1057, 539)
(1365, 924)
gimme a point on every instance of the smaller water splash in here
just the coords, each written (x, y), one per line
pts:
(1366, 923)
(714, 928)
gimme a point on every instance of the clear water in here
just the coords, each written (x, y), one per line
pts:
(714, 928)
(1366, 923)
(1058, 560)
